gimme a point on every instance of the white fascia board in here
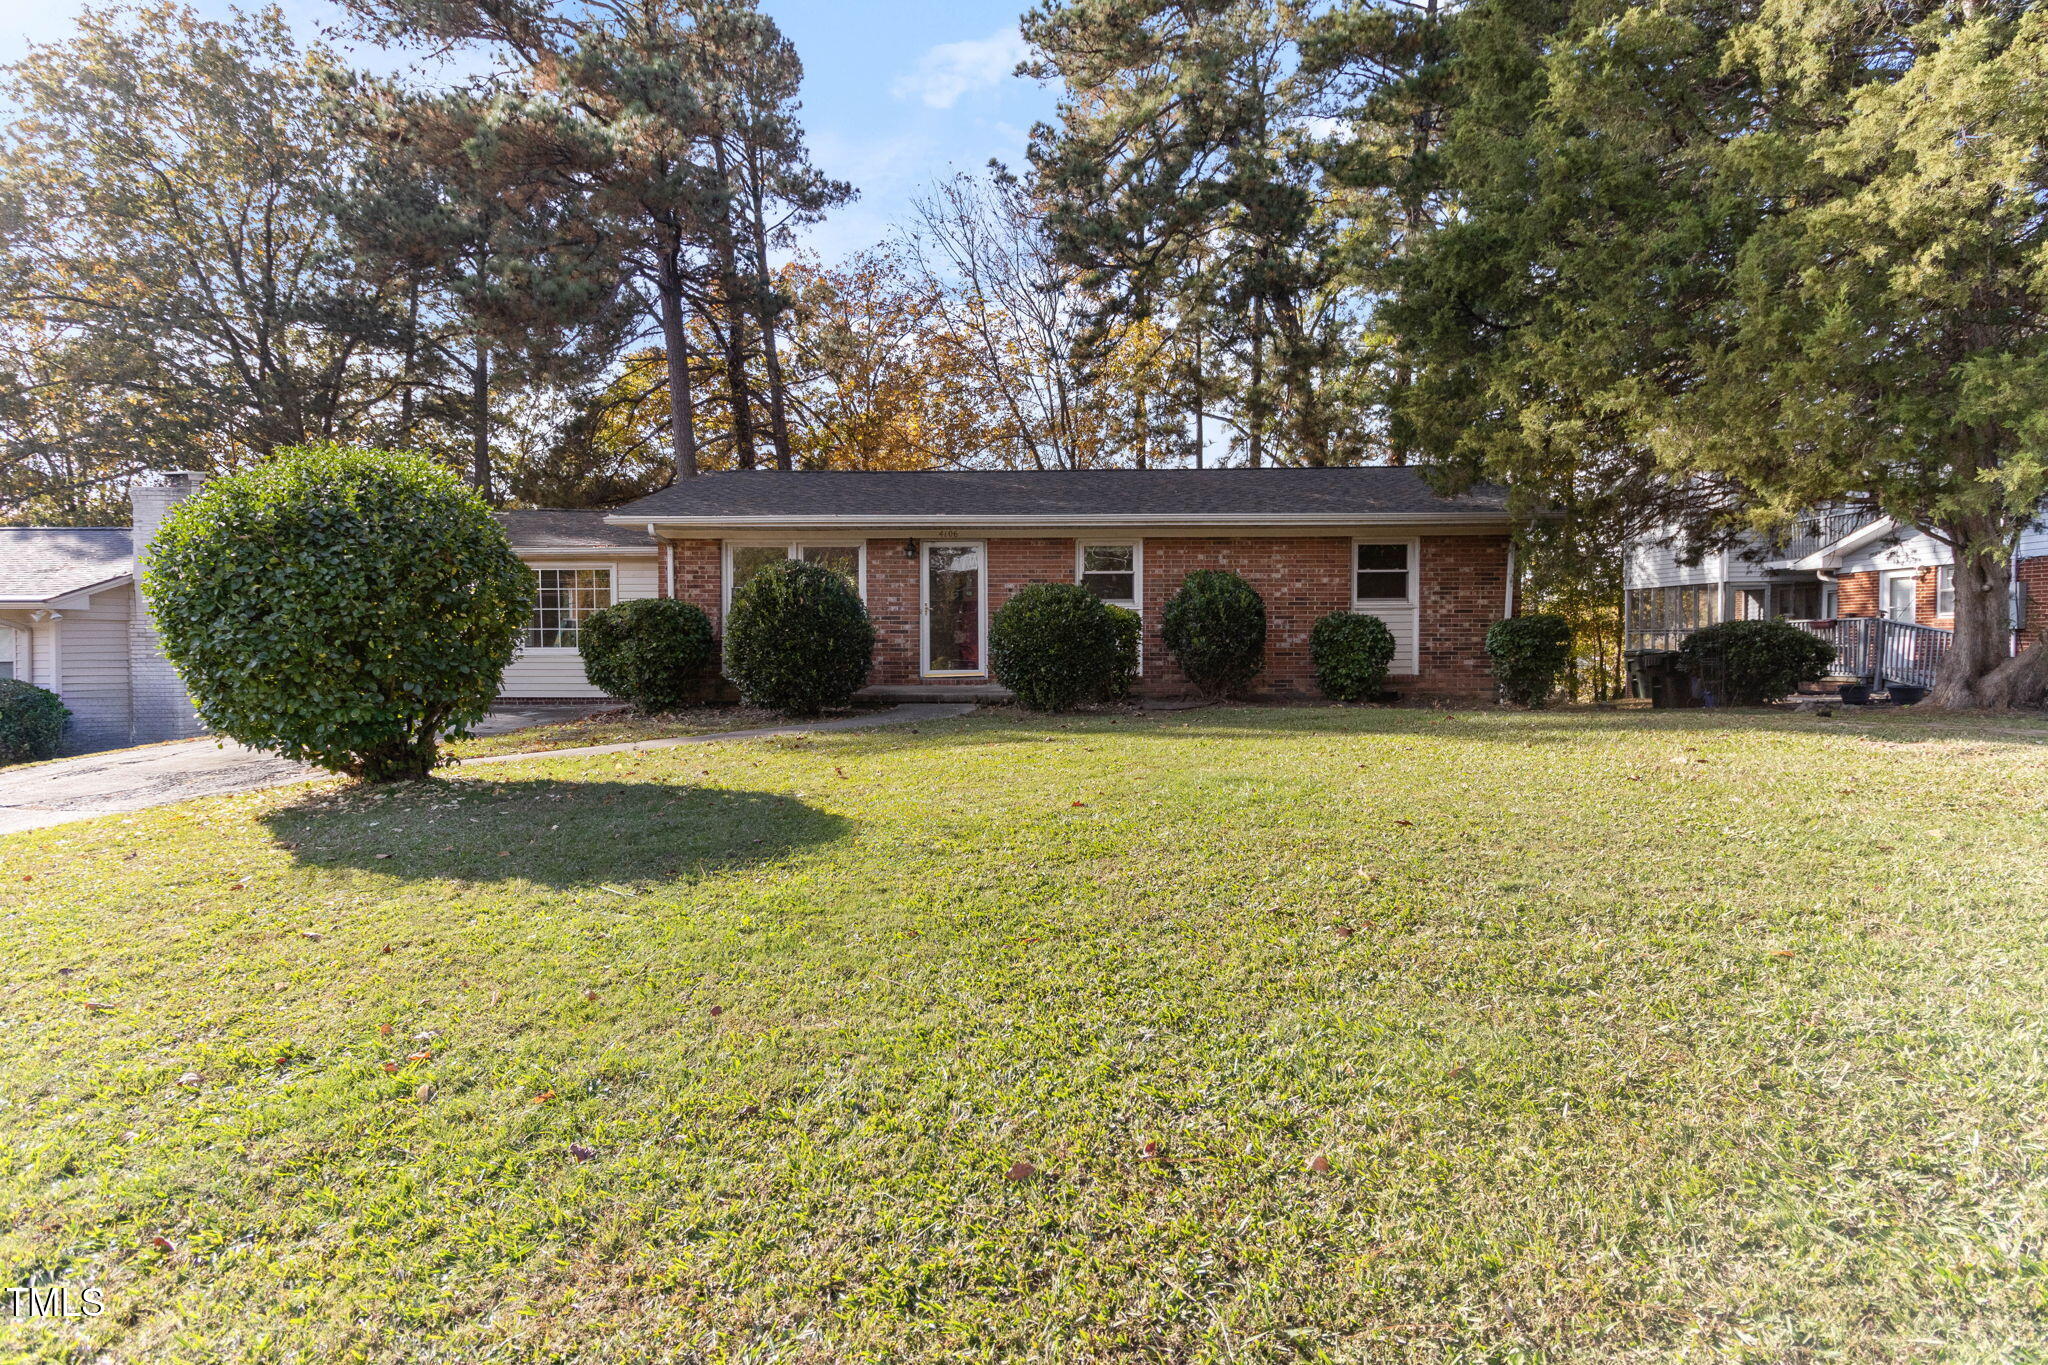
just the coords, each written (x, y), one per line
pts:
(584, 551)
(70, 597)
(1188, 525)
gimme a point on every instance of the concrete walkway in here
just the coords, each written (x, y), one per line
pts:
(126, 780)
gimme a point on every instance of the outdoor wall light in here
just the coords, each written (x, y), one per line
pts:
(910, 549)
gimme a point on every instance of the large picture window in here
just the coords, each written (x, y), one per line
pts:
(1383, 571)
(848, 558)
(562, 598)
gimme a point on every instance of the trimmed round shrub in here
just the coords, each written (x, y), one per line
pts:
(1056, 645)
(348, 608)
(31, 721)
(651, 651)
(1351, 655)
(1529, 655)
(797, 639)
(1758, 661)
(1215, 628)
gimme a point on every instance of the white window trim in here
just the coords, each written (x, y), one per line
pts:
(612, 577)
(1137, 544)
(1941, 571)
(792, 549)
(924, 612)
(1414, 545)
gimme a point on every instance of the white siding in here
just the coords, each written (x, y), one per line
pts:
(2034, 541)
(1400, 623)
(1653, 563)
(1908, 550)
(94, 659)
(559, 672)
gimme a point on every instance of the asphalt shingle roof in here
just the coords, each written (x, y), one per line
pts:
(38, 563)
(558, 528)
(1348, 494)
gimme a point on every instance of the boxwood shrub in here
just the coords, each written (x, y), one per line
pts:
(1130, 629)
(1529, 655)
(1758, 661)
(654, 652)
(1056, 645)
(797, 639)
(1215, 628)
(344, 607)
(31, 721)
(1351, 655)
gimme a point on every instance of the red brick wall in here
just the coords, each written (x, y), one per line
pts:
(1856, 594)
(1301, 578)
(696, 573)
(2033, 575)
(1463, 589)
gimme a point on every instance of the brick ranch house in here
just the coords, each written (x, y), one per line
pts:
(935, 553)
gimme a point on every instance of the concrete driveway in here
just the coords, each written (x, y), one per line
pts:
(122, 780)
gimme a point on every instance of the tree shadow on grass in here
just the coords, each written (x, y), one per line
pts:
(551, 833)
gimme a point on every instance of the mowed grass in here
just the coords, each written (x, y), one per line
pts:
(1708, 1036)
(612, 726)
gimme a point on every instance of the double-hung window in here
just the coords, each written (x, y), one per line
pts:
(1945, 590)
(1110, 570)
(562, 599)
(1383, 571)
(848, 558)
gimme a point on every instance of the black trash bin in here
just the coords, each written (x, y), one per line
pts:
(1654, 675)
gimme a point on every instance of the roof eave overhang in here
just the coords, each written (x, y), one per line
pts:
(1830, 556)
(1300, 521)
(586, 550)
(67, 597)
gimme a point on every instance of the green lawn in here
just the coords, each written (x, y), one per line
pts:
(1707, 1036)
(617, 727)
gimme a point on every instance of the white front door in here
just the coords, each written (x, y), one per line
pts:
(954, 589)
(1899, 592)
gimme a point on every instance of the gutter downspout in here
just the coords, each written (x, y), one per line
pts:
(1508, 608)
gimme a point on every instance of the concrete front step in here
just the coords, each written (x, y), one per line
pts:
(901, 692)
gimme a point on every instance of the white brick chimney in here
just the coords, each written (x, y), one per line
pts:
(160, 708)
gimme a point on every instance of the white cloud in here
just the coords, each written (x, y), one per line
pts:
(950, 70)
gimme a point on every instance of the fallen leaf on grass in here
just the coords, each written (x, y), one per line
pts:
(1319, 1163)
(1783, 952)
(543, 1097)
(1343, 931)
(190, 1078)
(390, 1068)
(383, 855)
(1081, 803)
(1404, 822)
(425, 1092)
(308, 933)
(387, 947)
(1153, 1151)
(423, 1055)
(590, 995)
(580, 1152)
(717, 1010)
(163, 1244)
(1023, 1170)
(98, 1005)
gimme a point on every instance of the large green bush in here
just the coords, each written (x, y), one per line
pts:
(798, 639)
(1351, 655)
(1130, 631)
(1056, 645)
(1215, 628)
(349, 608)
(31, 721)
(1758, 661)
(1529, 655)
(651, 651)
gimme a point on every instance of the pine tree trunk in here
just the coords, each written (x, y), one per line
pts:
(739, 392)
(1982, 625)
(764, 304)
(682, 412)
(1255, 404)
(480, 417)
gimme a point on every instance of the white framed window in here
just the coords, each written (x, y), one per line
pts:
(564, 594)
(1383, 571)
(8, 647)
(1900, 591)
(1945, 590)
(744, 559)
(1113, 570)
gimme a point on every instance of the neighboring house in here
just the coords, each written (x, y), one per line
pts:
(71, 618)
(1840, 570)
(935, 553)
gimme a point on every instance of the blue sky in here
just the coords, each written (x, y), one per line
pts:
(895, 94)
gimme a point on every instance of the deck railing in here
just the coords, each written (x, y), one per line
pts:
(1822, 530)
(1880, 652)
